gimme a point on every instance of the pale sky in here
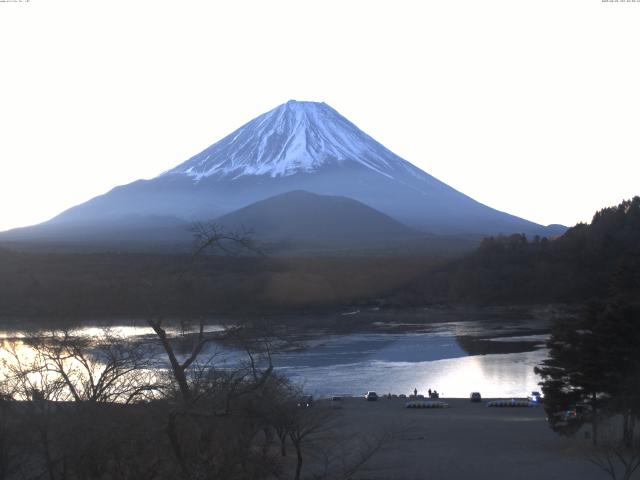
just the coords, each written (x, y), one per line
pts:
(531, 107)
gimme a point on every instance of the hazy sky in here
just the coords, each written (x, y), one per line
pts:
(531, 107)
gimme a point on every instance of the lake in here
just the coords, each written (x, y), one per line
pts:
(455, 358)
(452, 358)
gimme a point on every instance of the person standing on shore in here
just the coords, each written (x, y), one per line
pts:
(415, 392)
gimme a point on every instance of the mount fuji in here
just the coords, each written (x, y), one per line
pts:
(298, 146)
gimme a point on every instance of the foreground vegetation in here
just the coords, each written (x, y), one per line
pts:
(98, 408)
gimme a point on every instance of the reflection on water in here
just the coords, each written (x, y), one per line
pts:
(454, 358)
(363, 347)
(386, 363)
(123, 331)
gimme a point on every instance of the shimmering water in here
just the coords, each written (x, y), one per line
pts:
(391, 361)
(398, 363)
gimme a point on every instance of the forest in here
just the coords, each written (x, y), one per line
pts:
(574, 268)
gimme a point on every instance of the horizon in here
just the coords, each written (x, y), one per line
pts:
(532, 127)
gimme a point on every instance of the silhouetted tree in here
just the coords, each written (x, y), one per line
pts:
(573, 374)
(594, 359)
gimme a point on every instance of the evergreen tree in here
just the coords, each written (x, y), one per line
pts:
(595, 360)
(573, 374)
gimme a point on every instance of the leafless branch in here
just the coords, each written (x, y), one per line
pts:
(212, 236)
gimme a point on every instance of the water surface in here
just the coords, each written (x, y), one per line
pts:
(495, 358)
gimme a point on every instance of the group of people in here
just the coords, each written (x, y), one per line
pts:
(432, 393)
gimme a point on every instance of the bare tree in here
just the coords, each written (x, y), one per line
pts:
(306, 426)
(26, 374)
(26, 378)
(207, 237)
(212, 236)
(617, 462)
(214, 427)
(343, 457)
(106, 368)
(210, 407)
(179, 369)
(11, 458)
(43, 372)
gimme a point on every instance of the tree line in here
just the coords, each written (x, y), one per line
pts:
(573, 268)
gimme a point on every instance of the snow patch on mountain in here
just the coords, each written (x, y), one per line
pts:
(293, 138)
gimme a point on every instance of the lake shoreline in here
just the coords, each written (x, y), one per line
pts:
(349, 319)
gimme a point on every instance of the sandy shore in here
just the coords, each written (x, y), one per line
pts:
(466, 441)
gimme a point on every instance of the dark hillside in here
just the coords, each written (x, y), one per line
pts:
(576, 267)
(308, 218)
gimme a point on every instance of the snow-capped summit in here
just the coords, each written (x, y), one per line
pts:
(296, 137)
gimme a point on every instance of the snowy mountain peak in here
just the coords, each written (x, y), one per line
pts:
(298, 146)
(295, 137)
(303, 104)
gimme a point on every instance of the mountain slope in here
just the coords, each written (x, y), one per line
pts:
(300, 217)
(129, 232)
